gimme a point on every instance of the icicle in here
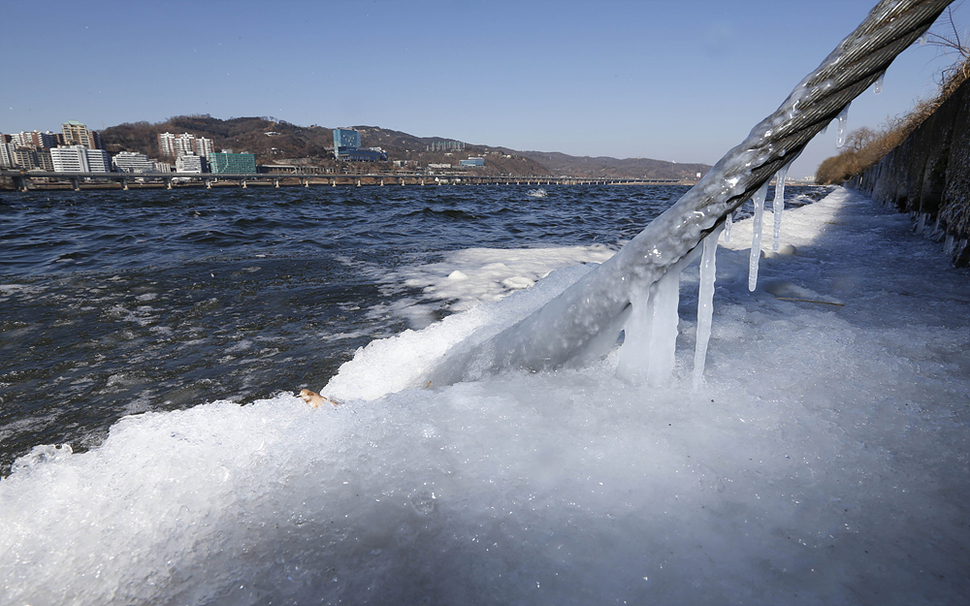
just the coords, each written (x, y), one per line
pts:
(877, 87)
(759, 211)
(663, 338)
(728, 221)
(840, 135)
(778, 205)
(637, 336)
(705, 305)
(650, 333)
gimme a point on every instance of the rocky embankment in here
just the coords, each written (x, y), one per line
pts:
(928, 176)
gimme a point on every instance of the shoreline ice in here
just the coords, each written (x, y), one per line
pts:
(823, 460)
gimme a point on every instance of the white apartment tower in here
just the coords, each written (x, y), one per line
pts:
(7, 154)
(173, 146)
(79, 159)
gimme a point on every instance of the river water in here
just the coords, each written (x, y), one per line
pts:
(114, 303)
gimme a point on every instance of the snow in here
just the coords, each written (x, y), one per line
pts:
(822, 461)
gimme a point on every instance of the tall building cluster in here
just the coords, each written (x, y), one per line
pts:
(78, 150)
(74, 149)
(190, 153)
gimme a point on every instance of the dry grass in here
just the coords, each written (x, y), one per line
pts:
(865, 147)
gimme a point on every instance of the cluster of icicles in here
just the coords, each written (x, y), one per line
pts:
(650, 335)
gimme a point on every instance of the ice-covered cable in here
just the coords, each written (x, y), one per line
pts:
(565, 327)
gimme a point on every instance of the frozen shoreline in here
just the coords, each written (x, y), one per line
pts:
(824, 460)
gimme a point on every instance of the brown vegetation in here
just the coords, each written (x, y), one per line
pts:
(865, 147)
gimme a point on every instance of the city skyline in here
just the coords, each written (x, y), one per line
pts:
(682, 83)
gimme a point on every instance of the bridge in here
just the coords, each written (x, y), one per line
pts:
(30, 180)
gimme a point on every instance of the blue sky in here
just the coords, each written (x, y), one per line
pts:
(682, 81)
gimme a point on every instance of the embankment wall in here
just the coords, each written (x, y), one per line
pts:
(928, 176)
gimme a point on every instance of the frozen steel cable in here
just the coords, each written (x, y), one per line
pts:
(570, 327)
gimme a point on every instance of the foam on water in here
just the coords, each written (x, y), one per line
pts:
(823, 461)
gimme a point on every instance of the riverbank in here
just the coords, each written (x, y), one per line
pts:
(928, 177)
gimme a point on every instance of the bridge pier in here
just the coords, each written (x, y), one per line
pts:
(76, 184)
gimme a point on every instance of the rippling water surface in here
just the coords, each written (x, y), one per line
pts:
(113, 303)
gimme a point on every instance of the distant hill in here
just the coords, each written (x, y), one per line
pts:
(604, 166)
(266, 137)
(280, 142)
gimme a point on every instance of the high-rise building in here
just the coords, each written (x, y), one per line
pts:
(203, 147)
(344, 140)
(26, 158)
(346, 146)
(79, 159)
(98, 160)
(76, 133)
(173, 146)
(7, 149)
(35, 139)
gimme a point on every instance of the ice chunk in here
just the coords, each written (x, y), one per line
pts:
(759, 211)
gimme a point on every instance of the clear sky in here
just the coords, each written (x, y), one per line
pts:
(682, 81)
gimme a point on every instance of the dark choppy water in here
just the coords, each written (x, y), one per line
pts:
(113, 303)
